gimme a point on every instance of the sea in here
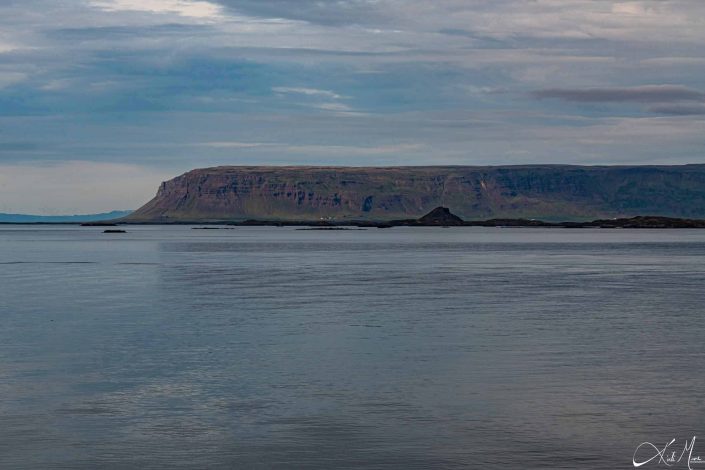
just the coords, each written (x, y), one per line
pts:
(173, 347)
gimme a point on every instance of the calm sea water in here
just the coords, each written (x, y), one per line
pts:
(168, 347)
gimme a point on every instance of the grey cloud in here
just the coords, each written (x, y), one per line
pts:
(17, 147)
(679, 109)
(638, 94)
(325, 12)
(121, 32)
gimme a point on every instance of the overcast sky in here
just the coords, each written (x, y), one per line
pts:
(100, 100)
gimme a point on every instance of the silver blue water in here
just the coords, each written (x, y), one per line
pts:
(265, 347)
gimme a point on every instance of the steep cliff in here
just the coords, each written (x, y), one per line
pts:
(550, 192)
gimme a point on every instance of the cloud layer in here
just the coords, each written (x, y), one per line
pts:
(168, 85)
(639, 94)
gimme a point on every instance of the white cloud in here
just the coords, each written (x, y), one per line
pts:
(57, 84)
(309, 92)
(6, 47)
(318, 96)
(633, 8)
(186, 8)
(339, 107)
(233, 144)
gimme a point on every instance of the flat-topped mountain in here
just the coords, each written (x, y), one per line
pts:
(548, 192)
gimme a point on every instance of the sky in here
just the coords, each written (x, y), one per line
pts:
(101, 100)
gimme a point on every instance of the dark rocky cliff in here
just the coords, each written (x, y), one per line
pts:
(549, 192)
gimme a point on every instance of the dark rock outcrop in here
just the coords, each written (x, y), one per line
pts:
(440, 216)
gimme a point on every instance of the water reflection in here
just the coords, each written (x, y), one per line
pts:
(409, 348)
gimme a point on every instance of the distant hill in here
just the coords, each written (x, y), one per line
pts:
(547, 192)
(25, 218)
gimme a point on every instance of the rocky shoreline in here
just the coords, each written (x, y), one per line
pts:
(443, 217)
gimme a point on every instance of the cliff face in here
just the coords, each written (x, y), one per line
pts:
(550, 192)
